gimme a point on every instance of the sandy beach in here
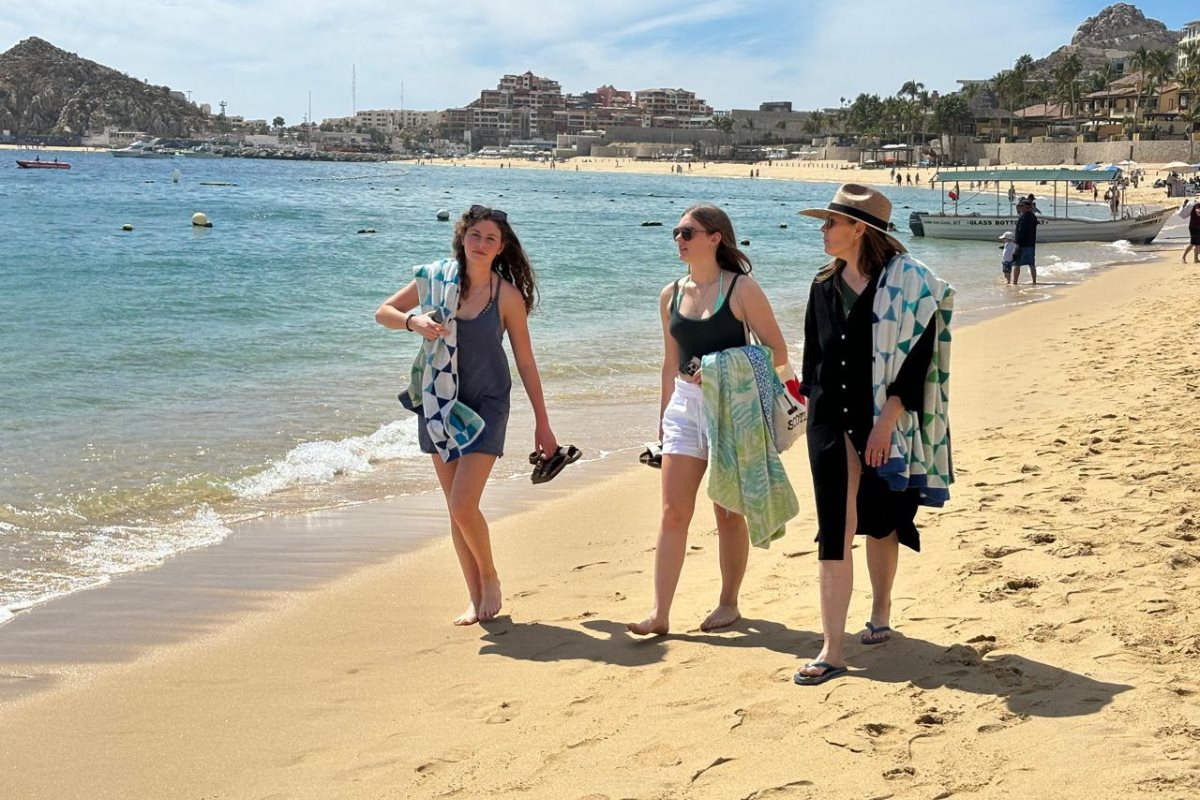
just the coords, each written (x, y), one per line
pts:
(1047, 643)
(824, 172)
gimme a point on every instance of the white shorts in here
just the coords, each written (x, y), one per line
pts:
(684, 430)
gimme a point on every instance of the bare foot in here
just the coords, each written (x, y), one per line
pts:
(490, 601)
(721, 617)
(651, 625)
(468, 617)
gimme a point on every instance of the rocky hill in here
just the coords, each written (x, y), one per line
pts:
(1114, 34)
(45, 90)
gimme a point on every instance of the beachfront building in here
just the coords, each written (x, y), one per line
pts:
(529, 106)
(1117, 103)
(679, 103)
(392, 120)
(1191, 39)
(771, 125)
(520, 107)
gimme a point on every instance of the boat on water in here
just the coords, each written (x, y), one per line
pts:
(39, 164)
(198, 152)
(1138, 227)
(142, 150)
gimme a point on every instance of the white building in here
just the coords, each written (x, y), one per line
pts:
(389, 120)
(1191, 36)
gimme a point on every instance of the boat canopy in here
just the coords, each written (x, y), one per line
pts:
(1072, 174)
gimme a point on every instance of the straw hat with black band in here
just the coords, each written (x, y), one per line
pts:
(861, 204)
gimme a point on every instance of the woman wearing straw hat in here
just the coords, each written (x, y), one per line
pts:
(875, 370)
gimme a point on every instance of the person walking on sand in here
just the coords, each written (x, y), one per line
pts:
(707, 311)
(1191, 212)
(1026, 238)
(875, 372)
(467, 304)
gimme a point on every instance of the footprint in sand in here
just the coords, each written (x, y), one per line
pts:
(1007, 720)
(1183, 560)
(1017, 584)
(658, 755)
(1076, 550)
(499, 715)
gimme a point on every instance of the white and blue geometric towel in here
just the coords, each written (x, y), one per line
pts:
(433, 389)
(908, 300)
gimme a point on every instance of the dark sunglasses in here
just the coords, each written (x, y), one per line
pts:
(483, 212)
(685, 233)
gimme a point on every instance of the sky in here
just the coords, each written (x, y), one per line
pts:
(264, 57)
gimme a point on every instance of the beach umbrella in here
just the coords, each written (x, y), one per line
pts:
(1178, 166)
(1127, 163)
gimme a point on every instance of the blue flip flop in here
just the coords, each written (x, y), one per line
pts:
(875, 631)
(815, 680)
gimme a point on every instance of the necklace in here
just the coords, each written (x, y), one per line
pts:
(704, 287)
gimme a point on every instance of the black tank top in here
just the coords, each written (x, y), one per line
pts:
(699, 337)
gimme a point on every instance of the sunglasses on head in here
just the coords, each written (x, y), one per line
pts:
(483, 212)
(686, 233)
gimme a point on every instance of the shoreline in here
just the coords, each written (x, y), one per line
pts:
(1025, 297)
(1044, 609)
(504, 498)
(836, 172)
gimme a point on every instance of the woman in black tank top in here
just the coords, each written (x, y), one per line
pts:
(705, 312)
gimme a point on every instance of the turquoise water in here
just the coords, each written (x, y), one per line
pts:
(157, 384)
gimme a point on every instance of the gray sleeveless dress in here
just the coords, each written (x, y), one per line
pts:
(484, 380)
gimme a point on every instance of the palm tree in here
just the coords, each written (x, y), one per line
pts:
(1159, 70)
(1021, 69)
(1189, 85)
(1140, 61)
(1004, 87)
(911, 88)
(1071, 69)
(814, 123)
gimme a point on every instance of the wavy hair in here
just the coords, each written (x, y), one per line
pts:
(511, 264)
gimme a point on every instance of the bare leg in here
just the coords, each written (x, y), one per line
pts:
(473, 542)
(1016, 274)
(1033, 273)
(882, 557)
(466, 561)
(837, 577)
(681, 476)
(1186, 250)
(735, 553)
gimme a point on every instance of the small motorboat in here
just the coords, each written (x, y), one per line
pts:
(39, 164)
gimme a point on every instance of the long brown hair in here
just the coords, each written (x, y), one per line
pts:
(875, 251)
(511, 263)
(714, 220)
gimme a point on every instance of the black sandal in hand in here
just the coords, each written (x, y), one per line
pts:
(545, 469)
(652, 455)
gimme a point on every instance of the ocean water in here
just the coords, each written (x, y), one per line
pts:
(160, 384)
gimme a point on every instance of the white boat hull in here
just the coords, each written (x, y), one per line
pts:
(1140, 229)
(138, 154)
